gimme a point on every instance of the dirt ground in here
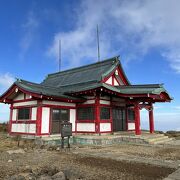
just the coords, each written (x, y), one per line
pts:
(86, 162)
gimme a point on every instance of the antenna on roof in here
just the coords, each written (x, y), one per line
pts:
(98, 43)
(59, 55)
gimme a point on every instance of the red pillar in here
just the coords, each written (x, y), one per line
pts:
(10, 119)
(97, 114)
(151, 120)
(137, 119)
(38, 119)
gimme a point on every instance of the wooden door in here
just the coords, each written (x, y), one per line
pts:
(58, 116)
(119, 119)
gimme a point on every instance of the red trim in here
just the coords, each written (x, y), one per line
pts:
(105, 105)
(120, 73)
(23, 100)
(39, 119)
(112, 80)
(14, 86)
(76, 120)
(10, 119)
(97, 114)
(117, 81)
(105, 121)
(137, 119)
(57, 106)
(30, 113)
(91, 132)
(122, 77)
(21, 133)
(50, 121)
(44, 134)
(24, 122)
(27, 106)
(86, 121)
(85, 105)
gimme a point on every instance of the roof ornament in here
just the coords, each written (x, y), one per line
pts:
(17, 79)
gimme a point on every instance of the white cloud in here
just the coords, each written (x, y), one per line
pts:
(6, 80)
(4, 112)
(29, 32)
(129, 28)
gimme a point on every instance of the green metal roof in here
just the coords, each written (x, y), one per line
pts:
(88, 77)
(132, 89)
(43, 90)
(89, 73)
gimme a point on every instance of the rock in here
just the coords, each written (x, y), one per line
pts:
(9, 161)
(44, 177)
(17, 151)
(36, 171)
(26, 149)
(58, 149)
(59, 176)
(27, 169)
(17, 177)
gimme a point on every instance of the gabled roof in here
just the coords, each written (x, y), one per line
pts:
(85, 74)
(63, 84)
(26, 86)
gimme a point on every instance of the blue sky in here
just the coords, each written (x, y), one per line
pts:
(144, 33)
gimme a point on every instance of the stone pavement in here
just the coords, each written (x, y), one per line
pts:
(174, 176)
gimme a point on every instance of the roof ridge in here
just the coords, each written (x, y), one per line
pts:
(29, 82)
(81, 67)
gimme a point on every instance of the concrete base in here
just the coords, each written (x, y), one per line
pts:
(108, 139)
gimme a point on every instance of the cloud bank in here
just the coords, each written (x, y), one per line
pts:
(6, 80)
(128, 28)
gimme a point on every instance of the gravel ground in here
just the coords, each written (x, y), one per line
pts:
(86, 162)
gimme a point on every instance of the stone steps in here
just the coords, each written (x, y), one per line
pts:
(145, 138)
(158, 139)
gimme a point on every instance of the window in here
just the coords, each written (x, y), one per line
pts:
(85, 113)
(23, 113)
(105, 113)
(131, 115)
(60, 114)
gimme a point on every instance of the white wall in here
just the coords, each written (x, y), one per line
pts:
(45, 120)
(115, 82)
(24, 128)
(19, 97)
(87, 127)
(131, 126)
(104, 102)
(14, 114)
(28, 103)
(105, 127)
(58, 103)
(34, 113)
(109, 81)
(89, 102)
(73, 118)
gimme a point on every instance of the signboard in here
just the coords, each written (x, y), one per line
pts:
(66, 129)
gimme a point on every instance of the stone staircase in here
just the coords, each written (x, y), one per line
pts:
(157, 139)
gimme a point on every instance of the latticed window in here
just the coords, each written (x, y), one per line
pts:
(23, 113)
(85, 113)
(105, 113)
(131, 115)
